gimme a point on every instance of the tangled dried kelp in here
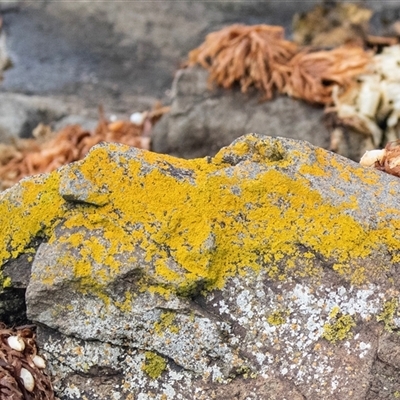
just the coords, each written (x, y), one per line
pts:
(249, 55)
(22, 375)
(32, 156)
(259, 56)
(313, 74)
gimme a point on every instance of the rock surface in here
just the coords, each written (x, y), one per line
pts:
(20, 114)
(202, 120)
(268, 271)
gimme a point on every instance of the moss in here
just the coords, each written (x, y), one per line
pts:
(388, 313)
(339, 328)
(154, 365)
(396, 394)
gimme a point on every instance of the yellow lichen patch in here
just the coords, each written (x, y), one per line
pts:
(166, 323)
(189, 227)
(27, 212)
(154, 364)
(339, 328)
(7, 282)
(388, 313)
(277, 317)
(358, 276)
(126, 305)
(318, 168)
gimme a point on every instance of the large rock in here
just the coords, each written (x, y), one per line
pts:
(268, 271)
(202, 120)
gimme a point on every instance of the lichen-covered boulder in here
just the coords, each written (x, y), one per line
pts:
(267, 272)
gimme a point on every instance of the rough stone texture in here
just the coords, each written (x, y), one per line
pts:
(201, 120)
(20, 114)
(268, 271)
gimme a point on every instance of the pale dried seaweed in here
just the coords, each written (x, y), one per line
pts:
(387, 159)
(371, 104)
(11, 363)
(248, 55)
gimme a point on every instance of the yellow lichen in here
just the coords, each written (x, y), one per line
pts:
(277, 317)
(126, 305)
(193, 230)
(154, 364)
(388, 313)
(28, 212)
(7, 282)
(340, 326)
(166, 323)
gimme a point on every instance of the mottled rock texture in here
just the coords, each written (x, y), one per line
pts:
(267, 272)
(203, 118)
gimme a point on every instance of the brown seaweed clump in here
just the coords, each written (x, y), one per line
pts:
(22, 375)
(30, 156)
(259, 56)
(249, 55)
(313, 74)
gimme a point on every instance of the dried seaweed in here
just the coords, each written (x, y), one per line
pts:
(259, 56)
(248, 55)
(313, 74)
(11, 363)
(32, 156)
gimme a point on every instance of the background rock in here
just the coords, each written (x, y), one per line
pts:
(272, 266)
(202, 121)
(124, 55)
(20, 114)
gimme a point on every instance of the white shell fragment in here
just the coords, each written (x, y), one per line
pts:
(27, 378)
(137, 118)
(39, 362)
(16, 343)
(369, 96)
(371, 157)
(373, 101)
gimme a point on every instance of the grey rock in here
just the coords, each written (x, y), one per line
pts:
(201, 121)
(20, 114)
(268, 271)
(86, 123)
